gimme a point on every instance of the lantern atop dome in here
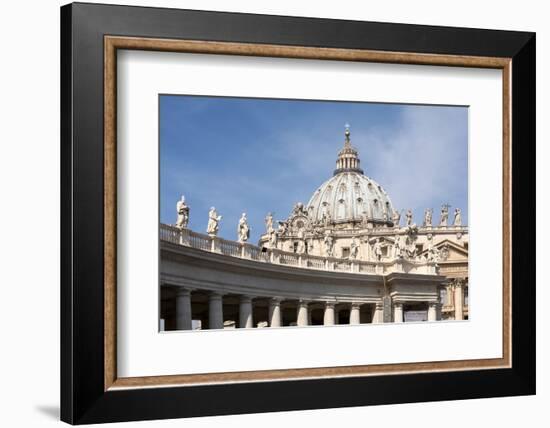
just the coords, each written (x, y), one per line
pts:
(348, 157)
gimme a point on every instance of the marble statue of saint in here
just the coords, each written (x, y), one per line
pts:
(409, 217)
(428, 217)
(327, 219)
(396, 218)
(269, 223)
(213, 222)
(282, 228)
(273, 239)
(328, 241)
(377, 250)
(183, 213)
(397, 248)
(310, 246)
(433, 254)
(354, 249)
(301, 247)
(444, 215)
(243, 231)
(458, 217)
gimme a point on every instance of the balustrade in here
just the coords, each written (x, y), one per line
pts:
(187, 237)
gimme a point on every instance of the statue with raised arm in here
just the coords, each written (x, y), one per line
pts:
(243, 231)
(444, 215)
(458, 217)
(213, 222)
(183, 213)
(409, 217)
(428, 217)
(269, 223)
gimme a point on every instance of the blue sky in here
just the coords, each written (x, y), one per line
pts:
(260, 155)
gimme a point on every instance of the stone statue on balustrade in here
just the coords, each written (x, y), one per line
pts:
(301, 247)
(283, 228)
(377, 250)
(243, 230)
(273, 239)
(213, 222)
(269, 223)
(397, 252)
(409, 217)
(183, 213)
(310, 245)
(444, 215)
(458, 217)
(428, 213)
(329, 244)
(396, 218)
(354, 249)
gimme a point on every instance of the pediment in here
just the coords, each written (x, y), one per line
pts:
(451, 251)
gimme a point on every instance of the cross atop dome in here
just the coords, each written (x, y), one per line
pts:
(348, 157)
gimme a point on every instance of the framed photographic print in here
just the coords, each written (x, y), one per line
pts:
(265, 213)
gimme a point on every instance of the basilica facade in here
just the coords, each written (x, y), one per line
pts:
(348, 256)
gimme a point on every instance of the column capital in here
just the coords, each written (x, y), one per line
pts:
(276, 300)
(245, 298)
(215, 295)
(398, 304)
(183, 291)
(330, 304)
(356, 305)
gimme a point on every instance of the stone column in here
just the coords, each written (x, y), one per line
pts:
(275, 312)
(398, 312)
(354, 315)
(215, 311)
(245, 312)
(459, 299)
(328, 318)
(301, 317)
(378, 316)
(432, 311)
(183, 309)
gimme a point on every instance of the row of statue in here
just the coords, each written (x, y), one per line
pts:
(428, 217)
(213, 226)
(243, 228)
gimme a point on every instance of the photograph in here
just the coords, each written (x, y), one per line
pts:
(279, 213)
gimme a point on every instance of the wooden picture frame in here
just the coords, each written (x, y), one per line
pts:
(91, 390)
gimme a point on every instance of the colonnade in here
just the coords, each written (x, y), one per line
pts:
(304, 308)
